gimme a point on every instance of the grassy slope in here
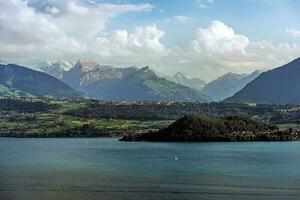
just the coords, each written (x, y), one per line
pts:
(11, 93)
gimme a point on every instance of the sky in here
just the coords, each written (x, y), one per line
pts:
(201, 38)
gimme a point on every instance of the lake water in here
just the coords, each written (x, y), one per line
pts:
(106, 169)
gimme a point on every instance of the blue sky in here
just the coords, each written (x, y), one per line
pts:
(202, 38)
(258, 19)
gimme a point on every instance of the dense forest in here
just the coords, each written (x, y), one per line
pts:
(29, 105)
(174, 110)
(164, 110)
(193, 128)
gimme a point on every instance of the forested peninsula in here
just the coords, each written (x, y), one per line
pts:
(193, 128)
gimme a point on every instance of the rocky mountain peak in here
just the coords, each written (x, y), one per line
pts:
(86, 65)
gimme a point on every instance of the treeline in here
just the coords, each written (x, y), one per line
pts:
(156, 110)
(86, 130)
(29, 106)
(170, 111)
(286, 116)
(194, 128)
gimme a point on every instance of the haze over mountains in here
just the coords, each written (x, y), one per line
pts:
(227, 85)
(194, 83)
(55, 68)
(2, 62)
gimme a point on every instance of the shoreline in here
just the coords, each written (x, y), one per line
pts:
(119, 139)
(229, 140)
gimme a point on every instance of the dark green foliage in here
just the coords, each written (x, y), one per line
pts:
(166, 111)
(204, 128)
(86, 130)
(7, 92)
(26, 105)
(223, 125)
(20, 117)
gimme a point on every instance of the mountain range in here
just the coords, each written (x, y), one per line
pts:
(279, 86)
(111, 83)
(143, 84)
(227, 85)
(122, 84)
(87, 72)
(18, 80)
(105, 82)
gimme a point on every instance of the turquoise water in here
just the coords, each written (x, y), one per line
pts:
(54, 169)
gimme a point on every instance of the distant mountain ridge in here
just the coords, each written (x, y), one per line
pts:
(142, 84)
(55, 68)
(25, 80)
(89, 76)
(228, 84)
(86, 72)
(280, 86)
(65, 64)
(106, 82)
(194, 83)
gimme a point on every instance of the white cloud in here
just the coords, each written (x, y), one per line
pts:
(54, 28)
(218, 49)
(87, 21)
(219, 39)
(293, 32)
(272, 55)
(52, 10)
(25, 32)
(72, 7)
(183, 19)
(204, 3)
(76, 29)
(140, 47)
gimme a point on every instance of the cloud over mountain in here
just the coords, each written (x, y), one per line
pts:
(217, 48)
(73, 29)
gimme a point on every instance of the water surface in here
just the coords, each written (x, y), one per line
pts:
(54, 169)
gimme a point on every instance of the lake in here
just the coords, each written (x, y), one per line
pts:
(106, 169)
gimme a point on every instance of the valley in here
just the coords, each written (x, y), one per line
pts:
(92, 118)
(46, 118)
